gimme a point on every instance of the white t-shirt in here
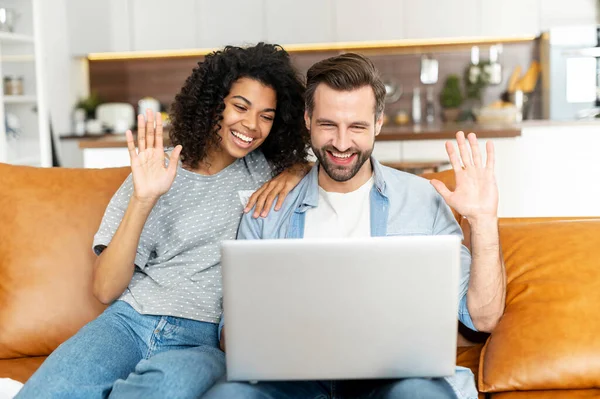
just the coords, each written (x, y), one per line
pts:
(340, 215)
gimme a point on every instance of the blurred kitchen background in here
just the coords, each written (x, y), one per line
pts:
(524, 73)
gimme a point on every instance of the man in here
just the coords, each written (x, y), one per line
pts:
(349, 194)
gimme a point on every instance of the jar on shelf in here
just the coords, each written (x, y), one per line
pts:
(13, 85)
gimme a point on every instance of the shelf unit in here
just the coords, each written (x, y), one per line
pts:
(20, 99)
(21, 55)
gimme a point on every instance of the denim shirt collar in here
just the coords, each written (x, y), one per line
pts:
(311, 195)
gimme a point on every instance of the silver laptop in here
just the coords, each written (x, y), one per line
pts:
(341, 308)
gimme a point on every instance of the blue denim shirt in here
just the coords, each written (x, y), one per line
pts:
(401, 204)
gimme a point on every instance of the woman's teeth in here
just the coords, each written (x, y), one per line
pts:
(242, 137)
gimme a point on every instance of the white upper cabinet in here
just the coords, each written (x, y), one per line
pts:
(299, 21)
(359, 20)
(120, 25)
(425, 19)
(125, 25)
(220, 23)
(510, 18)
(98, 26)
(163, 25)
(88, 26)
(554, 13)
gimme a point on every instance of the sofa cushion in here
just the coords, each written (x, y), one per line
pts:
(548, 336)
(23, 368)
(48, 219)
(468, 356)
(570, 394)
(20, 369)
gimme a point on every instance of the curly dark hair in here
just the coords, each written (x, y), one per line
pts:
(198, 108)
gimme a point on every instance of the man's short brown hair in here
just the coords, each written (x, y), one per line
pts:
(345, 72)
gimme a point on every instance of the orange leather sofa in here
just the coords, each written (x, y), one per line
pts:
(547, 344)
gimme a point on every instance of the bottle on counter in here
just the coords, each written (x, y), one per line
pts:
(416, 105)
(429, 106)
(79, 121)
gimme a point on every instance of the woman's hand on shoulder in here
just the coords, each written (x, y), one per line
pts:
(276, 188)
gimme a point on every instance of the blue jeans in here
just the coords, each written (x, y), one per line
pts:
(410, 388)
(123, 354)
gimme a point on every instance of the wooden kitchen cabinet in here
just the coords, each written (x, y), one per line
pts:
(359, 20)
(510, 18)
(426, 19)
(163, 25)
(218, 26)
(294, 21)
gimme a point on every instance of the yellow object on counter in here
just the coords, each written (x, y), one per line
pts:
(402, 118)
(165, 118)
(499, 104)
(529, 81)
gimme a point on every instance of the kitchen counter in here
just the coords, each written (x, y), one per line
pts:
(107, 140)
(543, 168)
(388, 133)
(447, 131)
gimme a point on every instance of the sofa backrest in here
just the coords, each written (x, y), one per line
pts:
(48, 218)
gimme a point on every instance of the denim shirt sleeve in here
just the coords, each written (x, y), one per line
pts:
(250, 228)
(445, 224)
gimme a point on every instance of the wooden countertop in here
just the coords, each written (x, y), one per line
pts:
(447, 131)
(388, 133)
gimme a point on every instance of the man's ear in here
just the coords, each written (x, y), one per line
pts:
(378, 124)
(307, 120)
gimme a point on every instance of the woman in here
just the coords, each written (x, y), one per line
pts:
(158, 243)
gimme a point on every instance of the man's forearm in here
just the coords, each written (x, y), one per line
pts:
(487, 284)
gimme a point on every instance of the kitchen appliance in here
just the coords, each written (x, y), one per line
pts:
(570, 72)
(94, 127)
(148, 103)
(116, 117)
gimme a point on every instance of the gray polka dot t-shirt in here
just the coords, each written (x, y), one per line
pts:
(177, 262)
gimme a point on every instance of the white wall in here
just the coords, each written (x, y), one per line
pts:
(57, 62)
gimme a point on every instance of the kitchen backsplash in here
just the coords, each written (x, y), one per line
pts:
(130, 80)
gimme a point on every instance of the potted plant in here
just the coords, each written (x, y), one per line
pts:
(451, 98)
(89, 105)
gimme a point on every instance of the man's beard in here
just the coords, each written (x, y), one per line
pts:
(341, 173)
